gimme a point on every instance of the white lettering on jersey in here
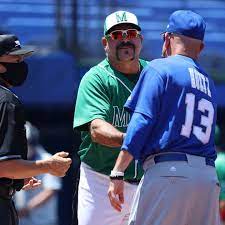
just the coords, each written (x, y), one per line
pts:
(121, 118)
(199, 81)
(202, 132)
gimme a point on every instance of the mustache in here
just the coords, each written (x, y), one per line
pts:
(126, 44)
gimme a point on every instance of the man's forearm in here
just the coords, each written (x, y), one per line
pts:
(123, 161)
(106, 134)
(19, 168)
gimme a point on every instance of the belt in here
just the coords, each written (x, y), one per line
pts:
(7, 192)
(132, 181)
(179, 157)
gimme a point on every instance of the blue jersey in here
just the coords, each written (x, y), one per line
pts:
(173, 109)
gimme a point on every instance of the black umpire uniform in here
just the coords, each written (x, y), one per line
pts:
(12, 146)
(13, 143)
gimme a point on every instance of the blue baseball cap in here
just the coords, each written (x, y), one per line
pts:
(187, 23)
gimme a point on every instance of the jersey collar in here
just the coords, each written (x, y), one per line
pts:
(186, 58)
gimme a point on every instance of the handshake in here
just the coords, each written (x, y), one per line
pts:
(56, 165)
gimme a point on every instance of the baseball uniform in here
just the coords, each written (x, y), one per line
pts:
(174, 115)
(102, 94)
(13, 146)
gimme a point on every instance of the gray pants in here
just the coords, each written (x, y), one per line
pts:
(177, 193)
(8, 214)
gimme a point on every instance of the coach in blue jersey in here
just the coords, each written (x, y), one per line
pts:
(171, 131)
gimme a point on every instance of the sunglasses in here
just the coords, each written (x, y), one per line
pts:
(121, 34)
(163, 36)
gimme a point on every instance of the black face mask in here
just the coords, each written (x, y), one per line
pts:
(16, 73)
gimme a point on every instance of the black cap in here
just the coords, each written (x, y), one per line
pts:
(10, 45)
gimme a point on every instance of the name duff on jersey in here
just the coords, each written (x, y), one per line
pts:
(199, 81)
(121, 118)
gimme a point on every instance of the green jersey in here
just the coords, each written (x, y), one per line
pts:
(102, 94)
(220, 169)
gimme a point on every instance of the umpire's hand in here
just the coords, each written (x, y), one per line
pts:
(31, 183)
(116, 194)
(58, 164)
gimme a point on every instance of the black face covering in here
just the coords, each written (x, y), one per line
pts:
(16, 73)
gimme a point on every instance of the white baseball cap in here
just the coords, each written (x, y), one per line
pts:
(120, 17)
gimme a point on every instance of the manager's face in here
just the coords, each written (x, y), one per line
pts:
(123, 43)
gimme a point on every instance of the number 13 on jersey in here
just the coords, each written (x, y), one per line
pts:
(188, 127)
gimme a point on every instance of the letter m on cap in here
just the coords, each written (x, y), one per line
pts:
(121, 18)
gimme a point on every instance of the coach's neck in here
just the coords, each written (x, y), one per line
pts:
(186, 46)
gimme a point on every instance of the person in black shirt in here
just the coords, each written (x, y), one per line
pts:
(16, 172)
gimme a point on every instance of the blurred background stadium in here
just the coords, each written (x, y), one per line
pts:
(67, 37)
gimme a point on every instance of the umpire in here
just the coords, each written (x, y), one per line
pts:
(12, 137)
(13, 144)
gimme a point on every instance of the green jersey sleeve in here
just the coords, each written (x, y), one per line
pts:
(220, 169)
(92, 100)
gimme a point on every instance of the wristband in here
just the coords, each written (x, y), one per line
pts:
(116, 175)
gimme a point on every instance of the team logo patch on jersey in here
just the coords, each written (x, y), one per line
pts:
(121, 117)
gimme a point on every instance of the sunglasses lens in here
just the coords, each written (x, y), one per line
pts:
(132, 34)
(120, 34)
(117, 35)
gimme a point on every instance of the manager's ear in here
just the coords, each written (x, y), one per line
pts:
(104, 41)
